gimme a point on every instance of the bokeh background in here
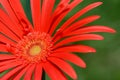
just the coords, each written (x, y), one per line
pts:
(105, 63)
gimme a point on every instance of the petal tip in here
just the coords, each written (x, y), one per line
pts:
(102, 38)
(75, 77)
(92, 50)
(98, 16)
(113, 31)
(84, 65)
(99, 3)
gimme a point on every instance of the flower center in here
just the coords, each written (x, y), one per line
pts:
(35, 50)
(34, 47)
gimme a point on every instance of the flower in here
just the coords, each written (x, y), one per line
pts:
(35, 48)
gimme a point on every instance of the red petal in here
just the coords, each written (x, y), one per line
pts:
(3, 48)
(36, 13)
(16, 12)
(46, 13)
(75, 48)
(25, 24)
(70, 57)
(5, 30)
(21, 73)
(5, 57)
(6, 21)
(8, 66)
(53, 72)
(75, 26)
(74, 3)
(13, 7)
(62, 15)
(78, 24)
(4, 62)
(64, 66)
(9, 9)
(12, 72)
(80, 13)
(90, 29)
(61, 7)
(28, 75)
(38, 72)
(6, 40)
(79, 38)
(82, 22)
(16, 4)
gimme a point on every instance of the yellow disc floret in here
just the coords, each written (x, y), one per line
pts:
(35, 50)
(34, 47)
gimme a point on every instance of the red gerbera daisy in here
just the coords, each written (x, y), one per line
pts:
(40, 47)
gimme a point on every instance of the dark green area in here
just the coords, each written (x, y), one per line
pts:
(105, 63)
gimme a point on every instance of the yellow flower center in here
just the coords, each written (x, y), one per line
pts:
(34, 47)
(35, 50)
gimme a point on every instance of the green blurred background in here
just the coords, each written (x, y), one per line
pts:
(105, 63)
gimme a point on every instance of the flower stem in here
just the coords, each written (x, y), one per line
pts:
(43, 75)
